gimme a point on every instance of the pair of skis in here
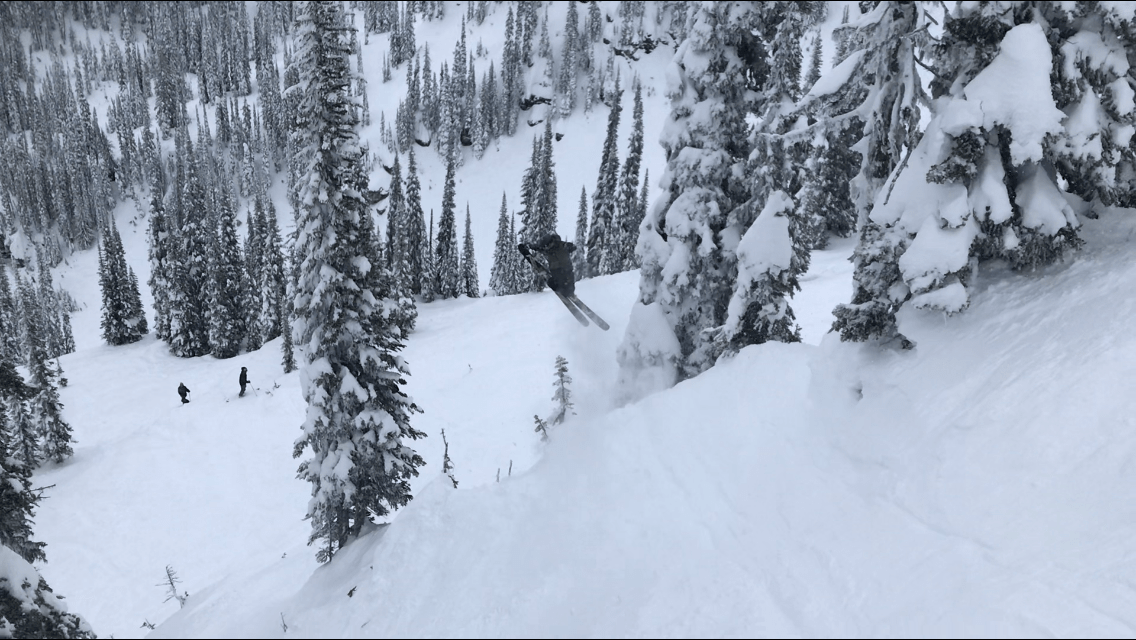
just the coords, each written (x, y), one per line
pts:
(579, 310)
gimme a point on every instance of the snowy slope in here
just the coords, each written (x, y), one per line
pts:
(966, 488)
(978, 485)
(210, 487)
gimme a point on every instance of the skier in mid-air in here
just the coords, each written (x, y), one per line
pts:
(549, 257)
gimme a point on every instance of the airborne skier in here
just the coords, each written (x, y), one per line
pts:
(555, 265)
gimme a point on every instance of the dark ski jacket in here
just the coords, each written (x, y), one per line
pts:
(561, 277)
(244, 378)
(182, 390)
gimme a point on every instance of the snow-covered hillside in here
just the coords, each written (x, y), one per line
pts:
(981, 484)
(976, 485)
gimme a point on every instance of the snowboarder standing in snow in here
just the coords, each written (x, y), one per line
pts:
(244, 380)
(557, 264)
(183, 391)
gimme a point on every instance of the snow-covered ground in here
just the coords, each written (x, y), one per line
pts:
(982, 484)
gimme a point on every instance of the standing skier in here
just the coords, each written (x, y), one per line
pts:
(183, 391)
(244, 380)
(555, 265)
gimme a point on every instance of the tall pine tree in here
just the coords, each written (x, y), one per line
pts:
(227, 284)
(579, 257)
(358, 419)
(17, 499)
(161, 265)
(468, 274)
(124, 319)
(417, 237)
(628, 212)
(446, 261)
(501, 277)
(603, 236)
(685, 277)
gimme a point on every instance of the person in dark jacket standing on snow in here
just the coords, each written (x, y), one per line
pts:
(183, 391)
(557, 263)
(244, 380)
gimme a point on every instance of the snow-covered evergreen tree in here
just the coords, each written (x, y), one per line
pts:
(467, 284)
(579, 256)
(489, 122)
(988, 178)
(417, 237)
(429, 92)
(358, 421)
(632, 256)
(1094, 153)
(160, 283)
(459, 73)
(569, 62)
(123, 318)
(687, 262)
(429, 279)
(527, 22)
(603, 235)
(11, 347)
(23, 444)
(51, 311)
(815, 59)
(538, 195)
(562, 395)
(881, 91)
(17, 499)
(42, 427)
(511, 88)
(842, 37)
(519, 267)
(758, 310)
(273, 280)
(627, 204)
(287, 347)
(501, 276)
(55, 432)
(447, 276)
(398, 307)
(189, 324)
(227, 284)
(546, 214)
(396, 229)
(28, 606)
(530, 188)
(825, 197)
(593, 27)
(253, 272)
